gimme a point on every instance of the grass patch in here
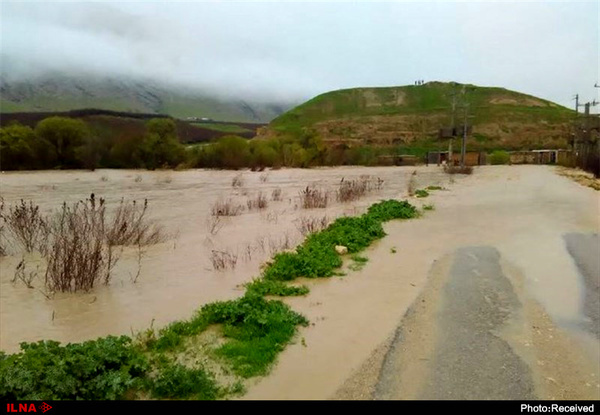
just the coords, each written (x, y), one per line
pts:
(359, 262)
(428, 207)
(264, 287)
(421, 193)
(393, 250)
(358, 258)
(435, 188)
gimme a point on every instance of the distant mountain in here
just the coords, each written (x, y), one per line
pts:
(411, 117)
(58, 92)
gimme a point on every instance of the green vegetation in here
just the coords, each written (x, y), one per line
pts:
(393, 250)
(161, 147)
(428, 207)
(106, 368)
(359, 262)
(61, 142)
(264, 287)
(421, 193)
(254, 331)
(499, 157)
(175, 381)
(258, 330)
(358, 258)
(435, 188)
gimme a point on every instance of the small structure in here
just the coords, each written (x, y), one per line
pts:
(546, 156)
(472, 158)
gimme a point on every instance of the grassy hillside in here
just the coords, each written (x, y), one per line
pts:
(411, 116)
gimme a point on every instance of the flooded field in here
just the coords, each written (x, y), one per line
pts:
(177, 276)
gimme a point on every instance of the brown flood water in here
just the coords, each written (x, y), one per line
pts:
(176, 276)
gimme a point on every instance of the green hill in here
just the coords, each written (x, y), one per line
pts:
(409, 117)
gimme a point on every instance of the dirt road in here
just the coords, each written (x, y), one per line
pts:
(493, 295)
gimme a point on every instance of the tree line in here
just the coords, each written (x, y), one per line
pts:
(67, 143)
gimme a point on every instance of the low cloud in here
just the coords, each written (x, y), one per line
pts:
(295, 51)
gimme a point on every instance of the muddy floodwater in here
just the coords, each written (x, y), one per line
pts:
(177, 276)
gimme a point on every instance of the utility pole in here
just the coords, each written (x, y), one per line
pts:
(453, 124)
(463, 150)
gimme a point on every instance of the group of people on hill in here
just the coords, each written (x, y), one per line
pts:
(419, 82)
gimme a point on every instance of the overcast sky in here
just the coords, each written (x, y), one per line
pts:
(297, 50)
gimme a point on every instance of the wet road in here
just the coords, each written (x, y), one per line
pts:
(469, 337)
(585, 251)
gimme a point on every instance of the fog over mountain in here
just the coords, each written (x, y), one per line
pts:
(287, 52)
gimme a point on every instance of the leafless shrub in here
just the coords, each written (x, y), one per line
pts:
(138, 178)
(130, 226)
(280, 244)
(307, 225)
(22, 275)
(311, 198)
(78, 255)
(26, 224)
(276, 195)
(261, 243)
(223, 259)
(259, 202)
(264, 177)
(271, 217)
(104, 178)
(164, 180)
(214, 224)
(247, 253)
(372, 182)
(226, 208)
(449, 169)
(350, 190)
(2, 229)
(238, 180)
(80, 248)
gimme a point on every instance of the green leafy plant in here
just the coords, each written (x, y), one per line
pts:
(421, 193)
(270, 287)
(428, 207)
(178, 381)
(257, 330)
(98, 369)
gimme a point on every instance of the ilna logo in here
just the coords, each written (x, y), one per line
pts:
(27, 407)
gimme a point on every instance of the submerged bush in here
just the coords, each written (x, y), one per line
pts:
(26, 224)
